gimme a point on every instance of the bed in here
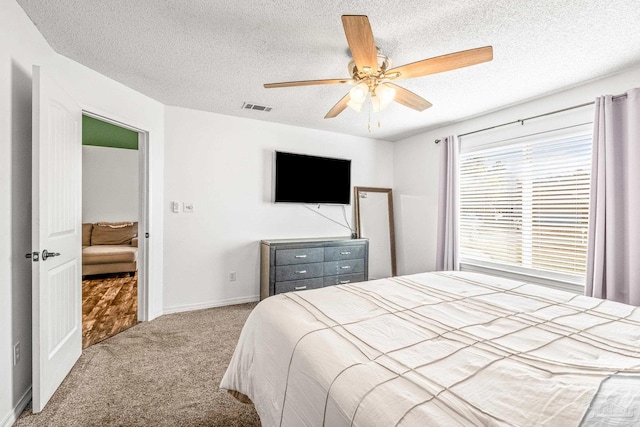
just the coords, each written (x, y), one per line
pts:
(439, 349)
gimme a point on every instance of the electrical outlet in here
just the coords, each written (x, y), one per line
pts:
(16, 353)
(232, 276)
(175, 207)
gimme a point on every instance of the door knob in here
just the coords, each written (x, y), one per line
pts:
(46, 254)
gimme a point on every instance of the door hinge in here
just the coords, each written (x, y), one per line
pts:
(146, 235)
(35, 256)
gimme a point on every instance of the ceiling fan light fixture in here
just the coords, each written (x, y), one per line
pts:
(358, 93)
(357, 106)
(372, 73)
(357, 96)
(386, 94)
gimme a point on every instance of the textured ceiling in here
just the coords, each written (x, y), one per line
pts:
(215, 55)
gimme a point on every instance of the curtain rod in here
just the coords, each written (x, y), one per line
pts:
(521, 121)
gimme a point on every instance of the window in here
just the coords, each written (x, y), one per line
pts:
(524, 204)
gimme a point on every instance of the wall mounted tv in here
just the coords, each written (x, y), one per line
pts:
(300, 178)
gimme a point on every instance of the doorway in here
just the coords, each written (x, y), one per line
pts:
(114, 217)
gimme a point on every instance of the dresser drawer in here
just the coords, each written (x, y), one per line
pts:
(343, 279)
(285, 273)
(299, 256)
(287, 264)
(298, 285)
(336, 253)
(346, 266)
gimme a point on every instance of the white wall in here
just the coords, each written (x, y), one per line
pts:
(109, 184)
(416, 167)
(21, 46)
(223, 165)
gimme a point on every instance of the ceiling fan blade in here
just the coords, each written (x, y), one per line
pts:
(442, 63)
(408, 98)
(339, 107)
(307, 83)
(361, 42)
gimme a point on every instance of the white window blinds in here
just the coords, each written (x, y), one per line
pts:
(524, 204)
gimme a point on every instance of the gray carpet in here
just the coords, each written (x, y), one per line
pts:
(160, 373)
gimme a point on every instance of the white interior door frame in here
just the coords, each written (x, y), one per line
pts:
(143, 210)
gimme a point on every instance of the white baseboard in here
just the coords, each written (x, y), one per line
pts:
(12, 416)
(155, 315)
(210, 304)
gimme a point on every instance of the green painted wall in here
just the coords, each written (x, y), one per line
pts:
(103, 134)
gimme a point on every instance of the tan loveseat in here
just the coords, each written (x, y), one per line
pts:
(109, 247)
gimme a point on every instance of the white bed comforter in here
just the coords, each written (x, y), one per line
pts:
(439, 349)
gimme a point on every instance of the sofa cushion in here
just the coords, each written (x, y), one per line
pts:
(108, 254)
(112, 233)
(86, 233)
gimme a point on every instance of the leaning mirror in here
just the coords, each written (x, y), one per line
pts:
(374, 221)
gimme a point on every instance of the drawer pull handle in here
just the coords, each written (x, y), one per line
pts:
(301, 271)
(346, 267)
(300, 288)
(345, 253)
(344, 282)
(301, 256)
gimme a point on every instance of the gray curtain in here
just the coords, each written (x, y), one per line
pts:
(447, 249)
(613, 254)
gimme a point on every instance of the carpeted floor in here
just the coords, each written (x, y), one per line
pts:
(160, 373)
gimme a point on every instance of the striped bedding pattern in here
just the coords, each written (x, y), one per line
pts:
(439, 349)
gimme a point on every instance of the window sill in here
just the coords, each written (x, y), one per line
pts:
(542, 281)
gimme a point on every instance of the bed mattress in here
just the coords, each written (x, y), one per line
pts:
(439, 349)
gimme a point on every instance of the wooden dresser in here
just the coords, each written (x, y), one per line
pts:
(297, 264)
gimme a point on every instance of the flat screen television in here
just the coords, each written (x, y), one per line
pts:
(300, 178)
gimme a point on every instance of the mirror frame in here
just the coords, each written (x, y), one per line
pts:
(392, 237)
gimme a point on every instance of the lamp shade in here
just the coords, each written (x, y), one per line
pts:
(357, 95)
(355, 105)
(385, 95)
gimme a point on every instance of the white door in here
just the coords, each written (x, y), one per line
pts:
(56, 236)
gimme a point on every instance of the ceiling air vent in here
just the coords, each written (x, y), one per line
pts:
(248, 106)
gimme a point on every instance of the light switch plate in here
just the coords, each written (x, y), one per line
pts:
(187, 207)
